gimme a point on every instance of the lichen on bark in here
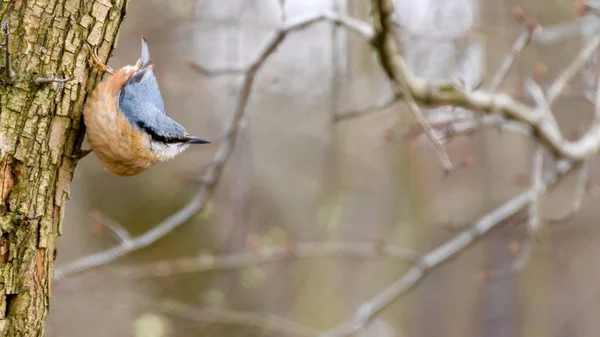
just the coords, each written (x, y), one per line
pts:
(40, 130)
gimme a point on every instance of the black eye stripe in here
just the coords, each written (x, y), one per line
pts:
(156, 137)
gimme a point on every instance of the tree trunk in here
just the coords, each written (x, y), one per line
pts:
(40, 130)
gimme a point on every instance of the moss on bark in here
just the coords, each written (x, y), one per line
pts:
(40, 129)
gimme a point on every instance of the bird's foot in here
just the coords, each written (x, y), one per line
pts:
(80, 153)
(95, 61)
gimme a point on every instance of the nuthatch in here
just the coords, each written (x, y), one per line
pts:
(126, 122)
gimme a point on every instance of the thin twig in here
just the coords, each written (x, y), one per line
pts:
(597, 104)
(566, 31)
(305, 250)
(213, 72)
(580, 187)
(534, 222)
(579, 194)
(539, 119)
(371, 308)
(351, 114)
(271, 323)
(53, 79)
(572, 69)
(213, 172)
(466, 127)
(358, 27)
(429, 131)
(282, 10)
(542, 112)
(509, 60)
(582, 179)
(438, 93)
(414, 108)
(115, 228)
(520, 261)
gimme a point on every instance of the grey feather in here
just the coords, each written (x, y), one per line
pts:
(141, 102)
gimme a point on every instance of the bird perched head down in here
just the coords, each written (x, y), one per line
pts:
(126, 122)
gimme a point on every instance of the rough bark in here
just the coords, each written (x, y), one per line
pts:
(40, 129)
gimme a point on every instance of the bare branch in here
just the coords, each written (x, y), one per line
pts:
(468, 126)
(351, 114)
(572, 69)
(567, 30)
(539, 119)
(536, 176)
(580, 187)
(357, 26)
(268, 255)
(446, 93)
(414, 108)
(509, 60)
(227, 145)
(213, 72)
(371, 308)
(53, 79)
(542, 110)
(270, 323)
(429, 131)
(579, 194)
(114, 227)
(520, 261)
(282, 9)
(597, 104)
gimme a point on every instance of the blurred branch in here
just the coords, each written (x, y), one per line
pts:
(282, 10)
(567, 30)
(458, 127)
(359, 27)
(306, 250)
(268, 322)
(597, 104)
(115, 228)
(213, 72)
(509, 60)
(415, 109)
(429, 131)
(571, 70)
(543, 108)
(539, 119)
(501, 109)
(432, 93)
(580, 191)
(518, 265)
(213, 172)
(351, 114)
(294, 24)
(534, 222)
(371, 308)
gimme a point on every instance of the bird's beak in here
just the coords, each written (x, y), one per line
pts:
(197, 140)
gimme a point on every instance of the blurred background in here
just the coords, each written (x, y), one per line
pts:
(295, 176)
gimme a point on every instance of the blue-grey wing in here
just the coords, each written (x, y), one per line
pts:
(141, 87)
(141, 102)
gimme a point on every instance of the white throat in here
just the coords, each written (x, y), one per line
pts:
(167, 151)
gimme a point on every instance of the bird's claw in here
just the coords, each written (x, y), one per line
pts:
(80, 153)
(95, 60)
